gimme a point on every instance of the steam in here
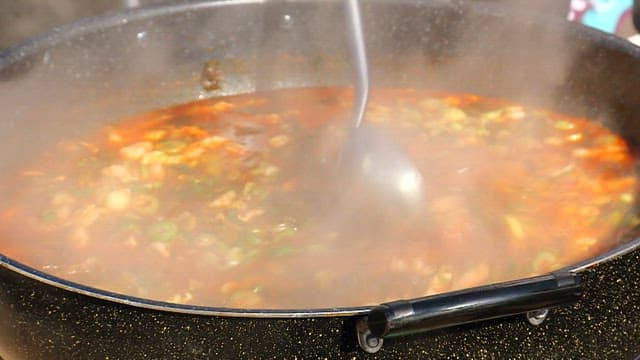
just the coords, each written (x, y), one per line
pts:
(79, 87)
(515, 59)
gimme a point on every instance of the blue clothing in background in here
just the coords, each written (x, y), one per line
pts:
(605, 14)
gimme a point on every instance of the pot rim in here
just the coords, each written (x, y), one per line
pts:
(29, 47)
(59, 34)
(61, 283)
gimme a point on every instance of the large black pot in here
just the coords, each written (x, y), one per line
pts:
(79, 77)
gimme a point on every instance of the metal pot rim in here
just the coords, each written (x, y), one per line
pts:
(68, 32)
(55, 281)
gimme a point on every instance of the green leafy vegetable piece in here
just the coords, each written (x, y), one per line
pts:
(49, 217)
(282, 251)
(544, 259)
(163, 231)
(172, 146)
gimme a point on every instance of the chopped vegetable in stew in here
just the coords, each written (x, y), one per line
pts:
(221, 202)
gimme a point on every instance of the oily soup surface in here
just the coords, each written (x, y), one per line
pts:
(223, 202)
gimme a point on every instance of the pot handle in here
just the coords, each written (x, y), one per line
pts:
(533, 296)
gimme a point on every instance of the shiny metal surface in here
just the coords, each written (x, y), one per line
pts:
(379, 171)
(537, 317)
(359, 56)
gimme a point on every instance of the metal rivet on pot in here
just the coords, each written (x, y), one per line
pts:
(537, 317)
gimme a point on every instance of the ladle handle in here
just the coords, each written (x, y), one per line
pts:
(472, 305)
(359, 58)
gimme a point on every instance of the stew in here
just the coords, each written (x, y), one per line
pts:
(222, 202)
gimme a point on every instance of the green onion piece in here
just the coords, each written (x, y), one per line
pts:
(483, 131)
(456, 126)
(248, 188)
(49, 217)
(131, 224)
(251, 255)
(154, 157)
(253, 238)
(204, 187)
(83, 192)
(615, 218)
(255, 191)
(632, 221)
(284, 230)
(232, 215)
(145, 204)
(163, 231)
(282, 251)
(171, 146)
(184, 169)
(543, 260)
(564, 125)
(266, 170)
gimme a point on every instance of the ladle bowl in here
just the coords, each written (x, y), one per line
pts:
(381, 176)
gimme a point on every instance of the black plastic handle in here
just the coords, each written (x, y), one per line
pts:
(476, 304)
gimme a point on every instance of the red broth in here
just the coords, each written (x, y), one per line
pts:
(215, 202)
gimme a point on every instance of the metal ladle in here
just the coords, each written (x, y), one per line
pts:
(377, 168)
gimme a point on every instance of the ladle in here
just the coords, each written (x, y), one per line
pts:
(381, 175)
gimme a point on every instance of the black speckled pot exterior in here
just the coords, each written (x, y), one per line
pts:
(452, 45)
(39, 321)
